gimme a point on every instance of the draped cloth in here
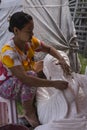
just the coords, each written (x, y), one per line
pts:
(53, 24)
(7, 8)
(62, 110)
(71, 124)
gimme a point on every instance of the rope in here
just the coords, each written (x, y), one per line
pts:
(36, 6)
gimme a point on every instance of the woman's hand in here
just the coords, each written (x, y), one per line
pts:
(66, 68)
(38, 66)
(61, 85)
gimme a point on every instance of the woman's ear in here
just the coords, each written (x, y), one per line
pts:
(15, 30)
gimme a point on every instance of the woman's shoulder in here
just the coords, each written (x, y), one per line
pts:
(35, 39)
(8, 45)
(35, 42)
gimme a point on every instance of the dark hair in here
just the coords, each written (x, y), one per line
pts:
(19, 20)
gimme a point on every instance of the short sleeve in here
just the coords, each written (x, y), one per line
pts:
(36, 44)
(10, 57)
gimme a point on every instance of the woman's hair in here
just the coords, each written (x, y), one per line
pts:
(19, 20)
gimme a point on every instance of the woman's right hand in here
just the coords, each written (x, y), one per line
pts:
(61, 85)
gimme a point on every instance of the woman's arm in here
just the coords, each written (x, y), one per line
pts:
(52, 51)
(29, 80)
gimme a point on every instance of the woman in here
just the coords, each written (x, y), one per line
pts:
(17, 74)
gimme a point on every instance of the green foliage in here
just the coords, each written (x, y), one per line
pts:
(83, 61)
(19, 108)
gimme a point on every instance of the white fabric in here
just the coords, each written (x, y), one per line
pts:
(57, 30)
(57, 110)
(65, 124)
(54, 25)
(47, 104)
(7, 8)
(54, 29)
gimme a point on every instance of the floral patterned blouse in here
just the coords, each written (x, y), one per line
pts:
(11, 56)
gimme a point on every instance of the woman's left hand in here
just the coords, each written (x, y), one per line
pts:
(66, 68)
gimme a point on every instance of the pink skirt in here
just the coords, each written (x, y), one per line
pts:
(12, 87)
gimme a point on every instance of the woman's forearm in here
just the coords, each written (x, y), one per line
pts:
(21, 74)
(38, 82)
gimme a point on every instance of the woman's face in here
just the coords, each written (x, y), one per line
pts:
(26, 33)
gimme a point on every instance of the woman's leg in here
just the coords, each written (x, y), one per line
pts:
(10, 90)
(28, 102)
(30, 112)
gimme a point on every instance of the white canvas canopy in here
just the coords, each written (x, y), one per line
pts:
(53, 23)
(7, 8)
